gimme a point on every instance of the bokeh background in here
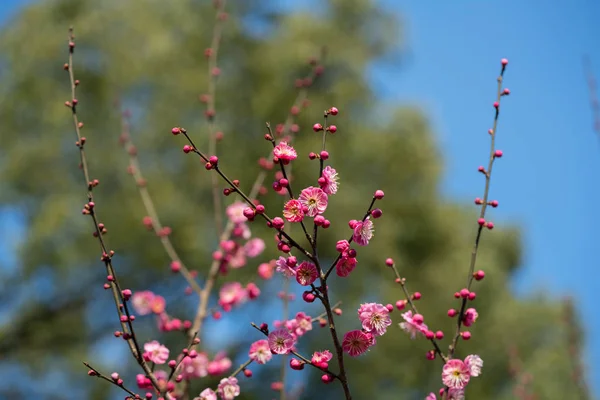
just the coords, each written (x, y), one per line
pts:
(415, 82)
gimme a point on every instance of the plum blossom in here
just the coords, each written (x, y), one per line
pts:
(314, 199)
(356, 343)
(142, 302)
(329, 180)
(231, 294)
(228, 388)
(293, 211)
(321, 358)
(456, 374)
(235, 212)
(412, 326)
(196, 367)
(345, 265)
(284, 152)
(284, 268)
(474, 363)
(470, 316)
(260, 351)
(207, 394)
(219, 365)
(281, 341)
(254, 247)
(306, 273)
(375, 318)
(156, 352)
(363, 232)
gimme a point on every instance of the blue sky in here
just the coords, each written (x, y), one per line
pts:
(547, 181)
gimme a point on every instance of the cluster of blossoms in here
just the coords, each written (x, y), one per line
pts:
(375, 319)
(456, 374)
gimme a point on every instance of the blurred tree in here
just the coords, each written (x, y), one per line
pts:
(149, 55)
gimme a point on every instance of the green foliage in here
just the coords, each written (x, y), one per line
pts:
(149, 57)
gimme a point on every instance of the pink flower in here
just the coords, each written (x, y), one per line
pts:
(292, 211)
(265, 271)
(329, 180)
(156, 352)
(306, 273)
(142, 302)
(356, 343)
(228, 388)
(284, 268)
(260, 352)
(474, 363)
(299, 325)
(375, 318)
(321, 357)
(363, 232)
(411, 326)
(342, 246)
(470, 316)
(207, 394)
(284, 152)
(195, 367)
(235, 212)
(314, 199)
(231, 294)
(430, 396)
(254, 247)
(281, 341)
(345, 265)
(219, 365)
(456, 374)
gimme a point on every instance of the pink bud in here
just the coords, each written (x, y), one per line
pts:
(389, 262)
(452, 312)
(504, 62)
(332, 128)
(466, 335)
(481, 221)
(324, 155)
(379, 194)
(317, 127)
(498, 153)
(333, 111)
(479, 275)
(187, 148)
(176, 131)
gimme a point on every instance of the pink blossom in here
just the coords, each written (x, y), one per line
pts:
(363, 232)
(228, 388)
(342, 246)
(284, 152)
(470, 316)
(231, 294)
(265, 270)
(284, 268)
(292, 211)
(254, 247)
(142, 302)
(375, 318)
(298, 326)
(207, 394)
(474, 363)
(411, 326)
(281, 341)
(329, 180)
(306, 273)
(260, 351)
(355, 343)
(456, 374)
(195, 367)
(431, 396)
(237, 259)
(320, 357)
(315, 199)
(158, 304)
(156, 352)
(345, 265)
(235, 212)
(219, 365)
